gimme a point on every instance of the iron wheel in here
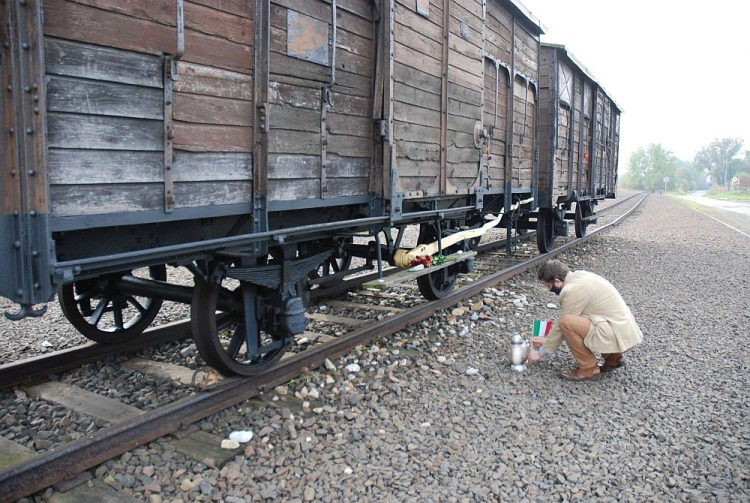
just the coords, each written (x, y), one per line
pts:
(220, 335)
(106, 316)
(438, 284)
(545, 230)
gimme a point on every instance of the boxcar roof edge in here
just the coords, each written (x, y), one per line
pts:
(530, 17)
(583, 68)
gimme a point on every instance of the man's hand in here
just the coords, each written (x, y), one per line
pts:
(534, 357)
(538, 342)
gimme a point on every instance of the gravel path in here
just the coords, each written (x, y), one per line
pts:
(435, 414)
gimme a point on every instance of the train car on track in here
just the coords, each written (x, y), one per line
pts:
(250, 142)
(579, 131)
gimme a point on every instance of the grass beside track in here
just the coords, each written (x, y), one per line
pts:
(733, 195)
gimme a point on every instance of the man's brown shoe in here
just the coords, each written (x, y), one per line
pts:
(612, 361)
(580, 374)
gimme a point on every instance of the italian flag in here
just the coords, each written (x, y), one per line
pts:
(541, 328)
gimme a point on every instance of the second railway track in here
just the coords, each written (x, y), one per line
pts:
(66, 460)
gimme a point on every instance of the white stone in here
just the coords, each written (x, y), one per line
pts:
(552, 305)
(229, 444)
(46, 344)
(241, 436)
(472, 371)
(330, 366)
(313, 393)
(441, 359)
(348, 470)
(303, 340)
(353, 368)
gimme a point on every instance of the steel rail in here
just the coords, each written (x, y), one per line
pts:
(50, 467)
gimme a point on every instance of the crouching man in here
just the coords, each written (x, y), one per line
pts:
(593, 318)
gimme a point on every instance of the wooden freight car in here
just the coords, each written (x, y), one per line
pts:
(579, 134)
(248, 141)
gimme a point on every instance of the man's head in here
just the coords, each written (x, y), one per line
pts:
(553, 273)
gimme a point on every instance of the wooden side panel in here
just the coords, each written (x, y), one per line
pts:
(547, 122)
(297, 97)
(418, 49)
(465, 84)
(106, 104)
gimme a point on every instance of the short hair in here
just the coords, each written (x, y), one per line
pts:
(552, 270)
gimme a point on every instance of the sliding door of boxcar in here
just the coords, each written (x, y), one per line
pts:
(417, 96)
(465, 85)
(128, 134)
(320, 139)
(526, 63)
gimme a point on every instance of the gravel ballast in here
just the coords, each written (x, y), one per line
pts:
(434, 413)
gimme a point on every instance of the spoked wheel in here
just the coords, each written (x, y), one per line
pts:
(545, 230)
(583, 210)
(222, 337)
(336, 263)
(104, 315)
(438, 284)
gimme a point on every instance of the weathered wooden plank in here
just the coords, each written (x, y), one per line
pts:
(220, 24)
(74, 166)
(415, 59)
(212, 51)
(212, 138)
(408, 275)
(84, 402)
(463, 155)
(75, 59)
(295, 119)
(365, 307)
(408, 18)
(291, 166)
(239, 7)
(70, 20)
(347, 167)
(74, 21)
(416, 132)
(417, 40)
(198, 194)
(209, 81)
(162, 370)
(209, 166)
(212, 110)
(350, 146)
(285, 166)
(415, 96)
(285, 142)
(416, 78)
(423, 169)
(75, 95)
(418, 151)
(347, 187)
(280, 93)
(339, 124)
(160, 11)
(76, 200)
(101, 132)
(405, 112)
(292, 190)
(12, 453)
(342, 103)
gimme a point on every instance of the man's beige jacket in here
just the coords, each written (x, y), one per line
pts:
(613, 328)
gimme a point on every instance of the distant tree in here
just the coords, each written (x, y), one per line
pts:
(647, 168)
(717, 159)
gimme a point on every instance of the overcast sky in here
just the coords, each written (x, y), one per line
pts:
(679, 69)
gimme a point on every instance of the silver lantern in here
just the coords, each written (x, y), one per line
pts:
(519, 353)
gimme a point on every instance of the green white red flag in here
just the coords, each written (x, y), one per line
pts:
(541, 328)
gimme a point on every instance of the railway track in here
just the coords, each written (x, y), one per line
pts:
(68, 460)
